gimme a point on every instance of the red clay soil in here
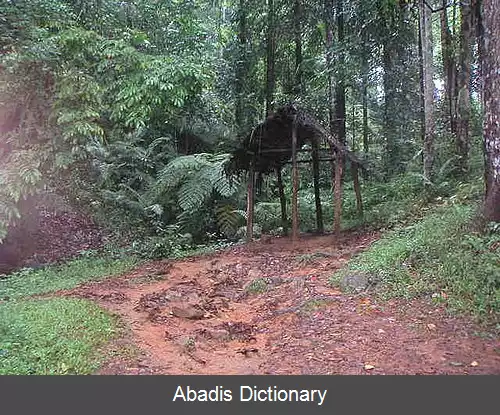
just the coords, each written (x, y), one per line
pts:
(205, 316)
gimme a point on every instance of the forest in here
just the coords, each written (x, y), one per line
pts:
(249, 187)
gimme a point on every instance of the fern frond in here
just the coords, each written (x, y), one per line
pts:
(221, 182)
(268, 214)
(193, 193)
(228, 219)
(176, 171)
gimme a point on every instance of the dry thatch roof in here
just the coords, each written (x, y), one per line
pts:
(270, 143)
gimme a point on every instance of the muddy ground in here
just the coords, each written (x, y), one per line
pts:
(267, 308)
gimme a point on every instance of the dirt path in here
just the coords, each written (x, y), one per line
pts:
(267, 308)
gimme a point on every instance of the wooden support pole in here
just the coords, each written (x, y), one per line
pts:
(317, 197)
(281, 191)
(337, 193)
(357, 189)
(295, 179)
(250, 200)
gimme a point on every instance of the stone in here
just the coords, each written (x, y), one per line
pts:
(356, 281)
(188, 312)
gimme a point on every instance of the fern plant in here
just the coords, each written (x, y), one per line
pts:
(195, 178)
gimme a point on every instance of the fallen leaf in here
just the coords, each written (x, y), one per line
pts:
(369, 367)
(474, 364)
(431, 326)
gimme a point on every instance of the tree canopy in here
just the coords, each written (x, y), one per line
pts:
(136, 106)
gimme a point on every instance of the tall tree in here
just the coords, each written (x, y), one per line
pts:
(427, 72)
(449, 66)
(491, 94)
(241, 66)
(399, 82)
(297, 25)
(329, 23)
(340, 113)
(463, 84)
(271, 51)
(340, 95)
(364, 92)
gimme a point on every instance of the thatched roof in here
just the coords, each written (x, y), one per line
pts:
(270, 142)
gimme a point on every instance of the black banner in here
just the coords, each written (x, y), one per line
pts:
(247, 394)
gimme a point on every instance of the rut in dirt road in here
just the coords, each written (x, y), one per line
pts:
(267, 308)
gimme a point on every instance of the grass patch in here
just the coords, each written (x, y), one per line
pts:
(307, 259)
(257, 286)
(53, 337)
(440, 257)
(313, 305)
(59, 277)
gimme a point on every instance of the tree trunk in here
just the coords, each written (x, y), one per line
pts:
(339, 167)
(271, 48)
(329, 16)
(250, 200)
(317, 196)
(340, 117)
(329, 13)
(281, 191)
(449, 68)
(340, 112)
(391, 154)
(398, 86)
(365, 74)
(491, 93)
(366, 131)
(297, 13)
(357, 190)
(427, 87)
(241, 69)
(463, 93)
(295, 184)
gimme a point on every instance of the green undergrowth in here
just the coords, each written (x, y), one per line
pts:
(53, 337)
(29, 282)
(404, 199)
(440, 257)
(257, 286)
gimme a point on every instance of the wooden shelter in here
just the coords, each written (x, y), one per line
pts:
(272, 144)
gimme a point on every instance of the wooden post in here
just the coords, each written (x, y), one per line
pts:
(282, 200)
(295, 178)
(250, 200)
(317, 197)
(337, 193)
(357, 189)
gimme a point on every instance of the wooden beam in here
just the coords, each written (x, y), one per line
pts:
(295, 178)
(276, 150)
(310, 160)
(281, 191)
(250, 201)
(317, 196)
